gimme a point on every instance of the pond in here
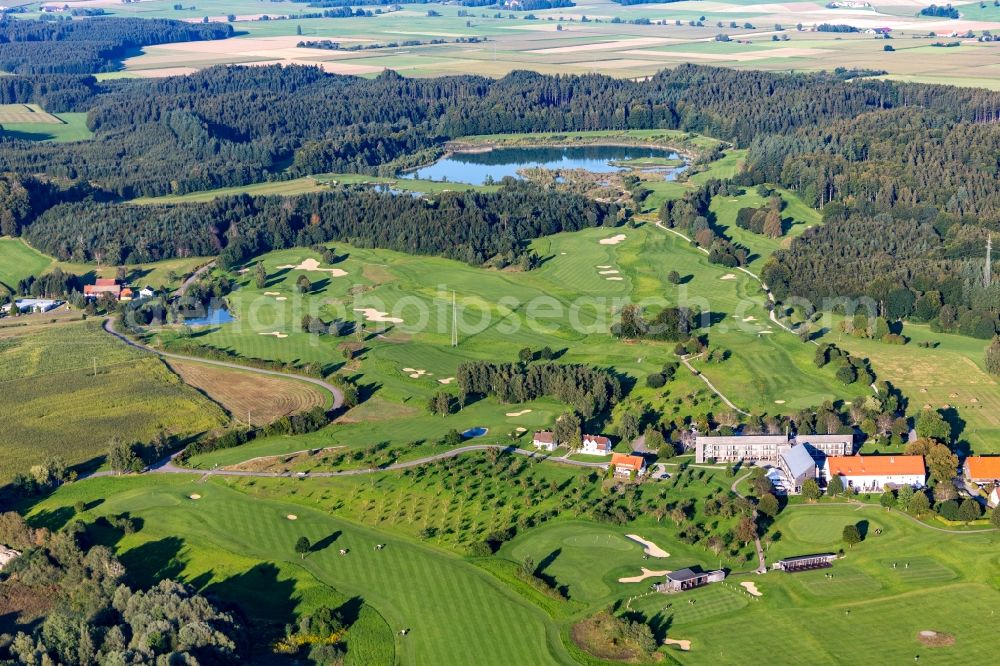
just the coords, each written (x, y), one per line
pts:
(214, 317)
(471, 433)
(477, 168)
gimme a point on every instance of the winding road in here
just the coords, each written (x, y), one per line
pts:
(338, 395)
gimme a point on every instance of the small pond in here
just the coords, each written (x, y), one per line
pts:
(476, 168)
(214, 317)
(474, 432)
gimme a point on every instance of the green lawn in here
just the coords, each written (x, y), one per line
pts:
(18, 261)
(218, 541)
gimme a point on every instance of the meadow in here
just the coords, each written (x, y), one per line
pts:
(949, 375)
(18, 260)
(69, 389)
(247, 396)
(30, 122)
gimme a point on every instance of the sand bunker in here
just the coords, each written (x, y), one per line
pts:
(195, 496)
(650, 548)
(276, 334)
(779, 402)
(728, 276)
(752, 589)
(614, 279)
(519, 429)
(764, 332)
(520, 413)
(313, 265)
(371, 314)
(646, 573)
(415, 373)
(609, 272)
(614, 240)
(750, 318)
(281, 298)
(684, 645)
(604, 266)
(935, 638)
(272, 293)
(446, 380)
(292, 516)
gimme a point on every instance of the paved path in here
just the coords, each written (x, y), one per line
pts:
(193, 277)
(761, 562)
(338, 396)
(722, 396)
(167, 466)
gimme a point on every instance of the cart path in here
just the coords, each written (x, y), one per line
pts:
(338, 396)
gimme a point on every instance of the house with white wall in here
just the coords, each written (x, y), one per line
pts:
(873, 473)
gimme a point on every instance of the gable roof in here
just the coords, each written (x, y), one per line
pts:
(543, 436)
(875, 465)
(601, 441)
(106, 282)
(983, 467)
(633, 463)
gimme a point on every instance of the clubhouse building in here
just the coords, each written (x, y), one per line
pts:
(874, 473)
(688, 579)
(766, 449)
(796, 466)
(804, 563)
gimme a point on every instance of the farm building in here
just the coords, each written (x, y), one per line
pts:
(544, 440)
(147, 292)
(766, 448)
(796, 467)
(625, 466)
(102, 287)
(804, 562)
(595, 445)
(34, 305)
(7, 555)
(688, 579)
(873, 473)
(982, 469)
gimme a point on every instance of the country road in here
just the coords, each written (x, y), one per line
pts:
(338, 396)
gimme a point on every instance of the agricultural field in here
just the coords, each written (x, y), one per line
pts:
(18, 261)
(561, 41)
(57, 406)
(32, 123)
(246, 395)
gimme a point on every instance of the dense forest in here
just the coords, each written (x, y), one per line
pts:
(91, 45)
(905, 174)
(475, 227)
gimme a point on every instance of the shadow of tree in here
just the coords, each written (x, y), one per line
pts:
(154, 560)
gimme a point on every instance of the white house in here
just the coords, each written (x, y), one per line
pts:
(873, 473)
(544, 440)
(147, 292)
(595, 445)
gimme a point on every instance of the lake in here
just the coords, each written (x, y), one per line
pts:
(477, 168)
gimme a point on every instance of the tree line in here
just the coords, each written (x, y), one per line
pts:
(475, 227)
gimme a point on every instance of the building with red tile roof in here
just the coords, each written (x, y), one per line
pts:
(626, 465)
(983, 469)
(873, 473)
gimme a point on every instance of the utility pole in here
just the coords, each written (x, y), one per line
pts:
(454, 321)
(988, 269)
